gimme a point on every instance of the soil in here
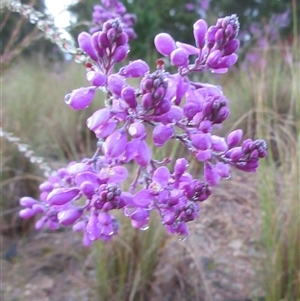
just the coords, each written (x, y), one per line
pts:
(219, 261)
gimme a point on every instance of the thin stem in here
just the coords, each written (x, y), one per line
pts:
(134, 183)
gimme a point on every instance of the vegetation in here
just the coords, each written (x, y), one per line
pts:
(268, 97)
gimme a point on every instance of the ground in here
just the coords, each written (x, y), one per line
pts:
(219, 261)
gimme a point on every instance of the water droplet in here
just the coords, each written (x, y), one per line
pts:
(67, 98)
(91, 235)
(182, 237)
(144, 228)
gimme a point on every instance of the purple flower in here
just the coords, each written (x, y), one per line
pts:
(164, 104)
(234, 138)
(143, 198)
(161, 134)
(80, 98)
(136, 68)
(69, 216)
(27, 213)
(61, 196)
(99, 118)
(200, 28)
(179, 58)
(85, 43)
(115, 84)
(115, 143)
(164, 44)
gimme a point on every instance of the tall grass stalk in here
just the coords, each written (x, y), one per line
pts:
(125, 267)
(279, 186)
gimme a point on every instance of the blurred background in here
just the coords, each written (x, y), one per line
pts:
(245, 244)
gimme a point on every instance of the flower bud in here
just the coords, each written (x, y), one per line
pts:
(180, 166)
(143, 153)
(164, 44)
(80, 98)
(172, 116)
(147, 101)
(228, 61)
(39, 225)
(27, 201)
(104, 219)
(200, 28)
(120, 53)
(168, 219)
(106, 129)
(103, 40)
(210, 36)
(128, 95)
(218, 143)
(38, 208)
(100, 117)
(69, 216)
(96, 78)
(231, 47)
(214, 59)
(137, 130)
(61, 196)
(161, 176)
(85, 43)
(142, 198)
(179, 58)
(115, 84)
(46, 186)
(191, 108)
(223, 170)
(77, 168)
(222, 114)
(205, 126)
(115, 143)
(137, 68)
(207, 108)
(250, 166)
(111, 35)
(219, 37)
(27, 213)
(122, 39)
(79, 226)
(210, 174)
(96, 46)
(204, 155)
(163, 107)
(140, 215)
(201, 141)
(188, 49)
(234, 138)
(236, 154)
(88, 189)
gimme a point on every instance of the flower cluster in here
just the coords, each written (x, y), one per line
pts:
(173, 107)
(113, 9)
